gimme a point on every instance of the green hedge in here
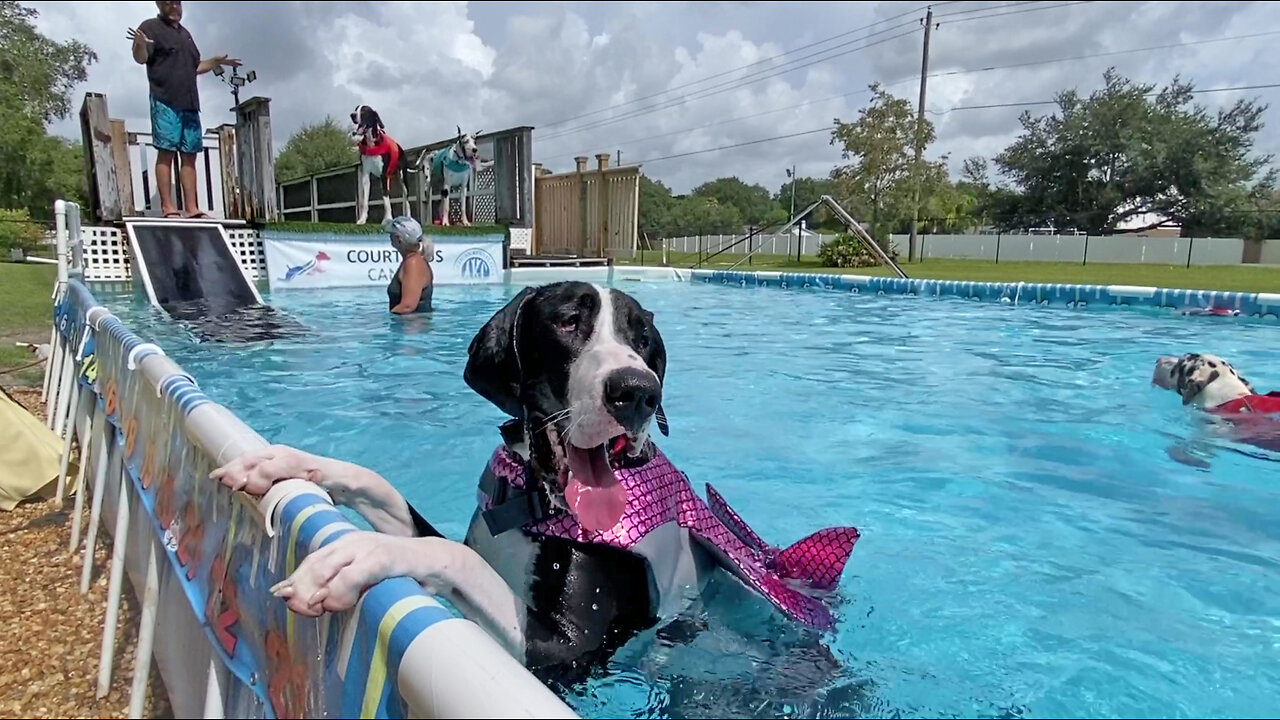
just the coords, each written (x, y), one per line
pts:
(374, 228)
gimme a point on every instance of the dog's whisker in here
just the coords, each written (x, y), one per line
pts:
(555, 417)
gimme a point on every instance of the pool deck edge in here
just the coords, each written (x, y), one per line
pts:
(1243, 304)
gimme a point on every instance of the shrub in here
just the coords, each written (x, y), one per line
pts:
(845, 251)
(17, 230)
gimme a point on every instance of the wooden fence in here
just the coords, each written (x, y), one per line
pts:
(589, 213)
(235, 169)
(501, 194)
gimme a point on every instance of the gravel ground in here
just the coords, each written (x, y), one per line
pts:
(53, 634)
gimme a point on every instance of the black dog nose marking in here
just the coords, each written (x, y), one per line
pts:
(631, 396)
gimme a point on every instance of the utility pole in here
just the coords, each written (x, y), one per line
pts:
(915, 170)
(799, 237)
(619, 162)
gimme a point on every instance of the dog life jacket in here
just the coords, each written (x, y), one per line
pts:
(1268, 404)
(657, 494)
(1256, 417)
(384, 146)
(445, 160)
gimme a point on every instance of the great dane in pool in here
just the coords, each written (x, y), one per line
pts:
(1232, 408)
(586, 536)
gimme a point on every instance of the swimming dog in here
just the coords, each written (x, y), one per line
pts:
(1212, 384)
(585, 534)
(380, 156)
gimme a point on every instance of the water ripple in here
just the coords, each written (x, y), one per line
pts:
(1029, 548)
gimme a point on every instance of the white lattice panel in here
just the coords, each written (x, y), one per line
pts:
(521, 238)
(106, 253)
(247, 247)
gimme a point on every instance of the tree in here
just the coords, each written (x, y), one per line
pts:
(1126, 152)
(315, 147)
(808, 190)
(40, 73)
(881, 144)
(752, 201)
(654, 209)
(37, 75)
(695, 215)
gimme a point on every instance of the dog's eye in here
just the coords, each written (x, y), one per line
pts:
(569, 324)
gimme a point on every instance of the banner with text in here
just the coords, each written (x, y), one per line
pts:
(351, 262)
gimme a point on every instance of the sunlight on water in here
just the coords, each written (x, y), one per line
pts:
(1029, 548)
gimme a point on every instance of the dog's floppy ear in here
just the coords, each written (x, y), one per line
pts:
(493, 369)
(1195, 383)
(658, 361)
(459, 131)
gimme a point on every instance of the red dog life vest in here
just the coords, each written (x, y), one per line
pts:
(388, 147)
(1256, 417)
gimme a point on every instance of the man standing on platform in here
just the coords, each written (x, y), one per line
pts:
(173, 63)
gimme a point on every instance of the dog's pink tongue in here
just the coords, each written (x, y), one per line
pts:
(595, 496)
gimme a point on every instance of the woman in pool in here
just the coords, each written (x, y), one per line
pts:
(410, 288)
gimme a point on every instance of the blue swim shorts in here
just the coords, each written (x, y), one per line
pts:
(176, 130)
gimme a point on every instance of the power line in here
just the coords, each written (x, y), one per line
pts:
(984, 8)
(650, 161)
(1038, 7)
(950, 73)
(965, 107)
(743, 82)
(1030, 103)
(748, 65)
(1109, 53)
(731, 85)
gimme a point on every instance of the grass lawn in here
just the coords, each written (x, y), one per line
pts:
(1240, 278)
(25, 314)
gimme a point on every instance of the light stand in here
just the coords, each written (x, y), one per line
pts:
(236, 80)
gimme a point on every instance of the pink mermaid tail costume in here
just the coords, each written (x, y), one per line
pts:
(658, 493)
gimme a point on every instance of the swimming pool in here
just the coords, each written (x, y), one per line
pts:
(1029, 548)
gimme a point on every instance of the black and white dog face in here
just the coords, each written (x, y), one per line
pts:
(1206, 381)
(366, 123)
(582, 367)
(466, 145)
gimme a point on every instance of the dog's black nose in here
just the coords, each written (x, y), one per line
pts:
(631, 395)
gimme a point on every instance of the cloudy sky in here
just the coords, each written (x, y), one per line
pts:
(656, 80)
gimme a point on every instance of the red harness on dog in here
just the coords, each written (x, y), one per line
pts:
(1268, 404)
(388, 147)
(1256, 419)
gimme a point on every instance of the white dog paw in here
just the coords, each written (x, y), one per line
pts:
(333, 578)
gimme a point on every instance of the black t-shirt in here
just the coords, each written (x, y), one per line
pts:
(171, 69)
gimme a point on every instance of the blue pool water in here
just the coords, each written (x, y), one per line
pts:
(1029, 548)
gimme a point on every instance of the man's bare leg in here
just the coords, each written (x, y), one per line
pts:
(164, 181)
(187, 176)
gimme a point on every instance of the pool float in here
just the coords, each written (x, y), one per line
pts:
(1218, 311)
(659, 494)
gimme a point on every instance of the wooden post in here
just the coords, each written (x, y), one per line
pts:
(602, 205)
(100, 166)
(124, 170)
(580, 162)
(256, 160)
(230, 177)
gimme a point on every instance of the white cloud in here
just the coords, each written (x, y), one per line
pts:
(430, 66)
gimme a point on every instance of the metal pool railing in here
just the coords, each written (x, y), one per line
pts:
(201, 558)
